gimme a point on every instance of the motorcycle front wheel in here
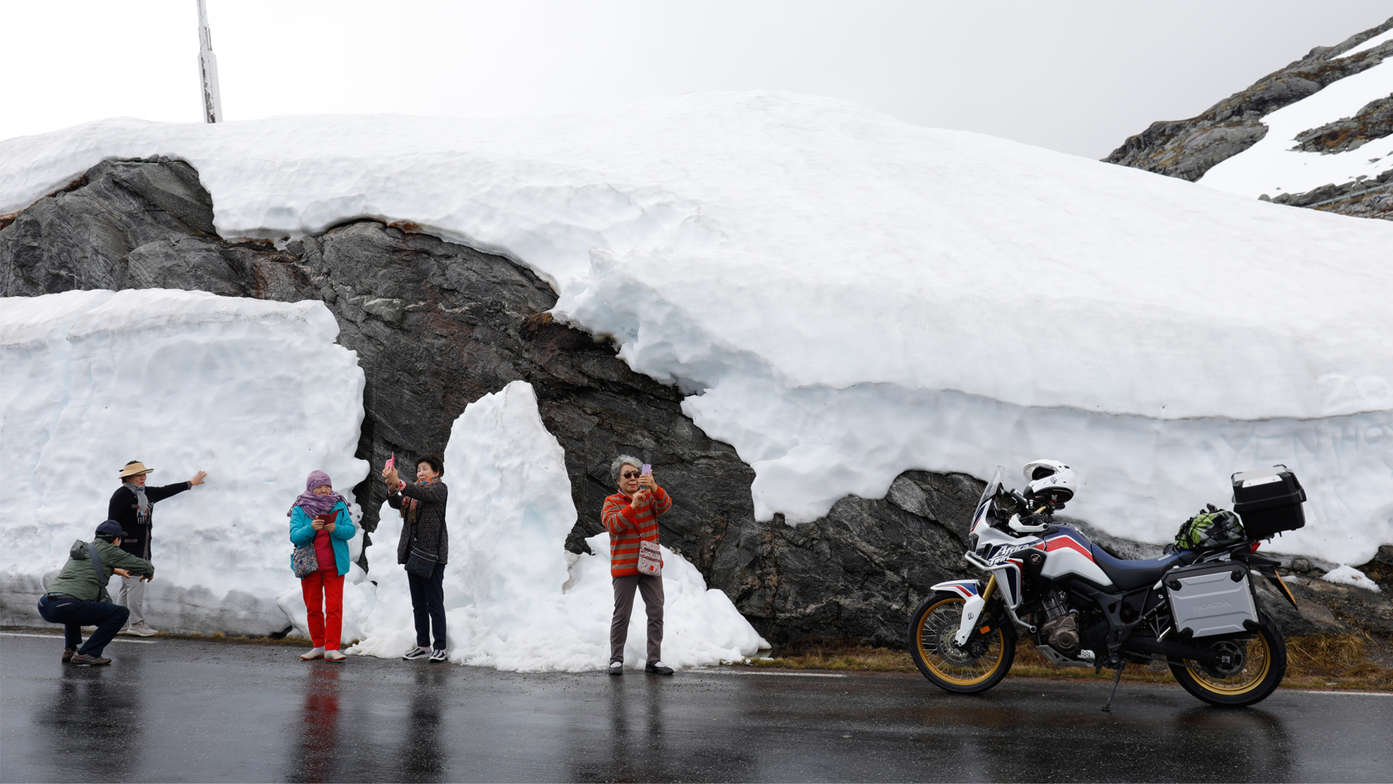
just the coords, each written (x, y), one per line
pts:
(1249, 668)
(969, 669)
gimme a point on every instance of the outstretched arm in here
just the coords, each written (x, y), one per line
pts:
(161, 493)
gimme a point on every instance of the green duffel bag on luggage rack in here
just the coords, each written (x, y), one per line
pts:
(1211, 529)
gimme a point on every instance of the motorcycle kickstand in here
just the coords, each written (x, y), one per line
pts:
(1107, 706)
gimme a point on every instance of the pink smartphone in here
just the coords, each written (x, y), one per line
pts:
(391, 462)
(645, 470)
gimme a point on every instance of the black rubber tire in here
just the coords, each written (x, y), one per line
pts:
(1264, 663)
(949, 667)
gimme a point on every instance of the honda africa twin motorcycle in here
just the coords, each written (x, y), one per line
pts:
(1193, 609)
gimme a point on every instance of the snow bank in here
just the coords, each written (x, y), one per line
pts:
(848, 296)
(255, 393)
(1348, 575)
(512, 601)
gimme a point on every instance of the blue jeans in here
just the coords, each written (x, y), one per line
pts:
(428, 606)
(77, 613)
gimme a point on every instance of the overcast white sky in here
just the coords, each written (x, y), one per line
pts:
(1076, 75)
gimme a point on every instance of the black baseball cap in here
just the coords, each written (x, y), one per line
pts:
(111, 530)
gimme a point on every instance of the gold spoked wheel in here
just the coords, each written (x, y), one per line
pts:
(974, 667)
(1247, 669)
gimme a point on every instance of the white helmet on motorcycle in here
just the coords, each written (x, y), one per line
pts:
(1049, 480)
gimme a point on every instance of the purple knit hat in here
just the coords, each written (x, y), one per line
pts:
(317, 504)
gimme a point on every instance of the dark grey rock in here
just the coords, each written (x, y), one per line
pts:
(1362, 198)
(1373, 121)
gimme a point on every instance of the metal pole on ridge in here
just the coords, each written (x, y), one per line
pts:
(208, 69)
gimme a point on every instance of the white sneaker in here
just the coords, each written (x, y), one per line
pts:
(415, 652)
(313, 653)
(439, 655)
(141, 629)
(335, 656)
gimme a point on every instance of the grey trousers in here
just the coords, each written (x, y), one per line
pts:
(651, 588)
(133, 598)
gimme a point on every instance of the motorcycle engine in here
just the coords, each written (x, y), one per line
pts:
(1061, 630)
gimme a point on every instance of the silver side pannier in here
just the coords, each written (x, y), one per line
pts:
(1210, 599)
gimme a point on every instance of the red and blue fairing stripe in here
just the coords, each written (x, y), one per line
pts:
(965, 588)
(1068, 540)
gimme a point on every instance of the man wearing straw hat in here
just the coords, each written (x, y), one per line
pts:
(133, 505)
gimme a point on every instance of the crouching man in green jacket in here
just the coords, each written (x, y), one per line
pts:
(77, 597)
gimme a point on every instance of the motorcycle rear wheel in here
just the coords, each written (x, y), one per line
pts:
(970, 669)
(1254, 667)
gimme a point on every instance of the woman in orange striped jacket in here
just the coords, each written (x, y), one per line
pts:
(631, 516)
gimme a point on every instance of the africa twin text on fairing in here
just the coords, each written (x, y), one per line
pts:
(1193, 609)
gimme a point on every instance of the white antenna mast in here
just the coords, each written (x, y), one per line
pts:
(208, 69)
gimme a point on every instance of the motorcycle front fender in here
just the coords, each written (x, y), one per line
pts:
(972, 610)
(973, 603)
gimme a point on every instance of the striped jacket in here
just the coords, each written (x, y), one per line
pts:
(627, 527)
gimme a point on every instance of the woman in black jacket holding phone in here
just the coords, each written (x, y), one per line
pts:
(422, 507)
(133, 506)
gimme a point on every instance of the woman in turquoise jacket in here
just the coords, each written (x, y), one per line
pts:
(320, 518)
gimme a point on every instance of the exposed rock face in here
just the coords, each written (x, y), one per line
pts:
(1374, 121)
(438, 325)
(1361, 199)
(1189, 148)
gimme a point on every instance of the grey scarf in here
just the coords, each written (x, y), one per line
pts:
(142, 503)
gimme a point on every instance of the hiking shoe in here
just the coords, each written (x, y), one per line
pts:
(85, 660)
(438, 655)
(313, 653)
(141, 629)
(616, 668)
(335, 656)
(658, 668)
(415, 652)
(68, 654)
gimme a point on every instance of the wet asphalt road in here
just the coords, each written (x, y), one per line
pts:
(183, 710)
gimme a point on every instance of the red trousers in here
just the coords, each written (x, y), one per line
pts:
(324, 595)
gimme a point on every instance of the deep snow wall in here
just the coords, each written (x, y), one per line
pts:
(256, 393)
(437, 325)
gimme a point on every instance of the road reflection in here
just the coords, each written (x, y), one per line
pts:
(420, 753)
(316, 751)
(92, 707)
(1252, 741)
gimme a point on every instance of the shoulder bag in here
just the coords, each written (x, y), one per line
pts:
(420, 562)
(303, 561)
(650, 559)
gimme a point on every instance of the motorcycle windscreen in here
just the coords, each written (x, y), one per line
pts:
(984, 503)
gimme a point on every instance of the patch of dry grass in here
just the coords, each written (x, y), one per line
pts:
(1346, 661)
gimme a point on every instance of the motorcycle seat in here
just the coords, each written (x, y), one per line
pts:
(1129, 575)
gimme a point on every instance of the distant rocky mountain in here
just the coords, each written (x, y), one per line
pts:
(1191, 147)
